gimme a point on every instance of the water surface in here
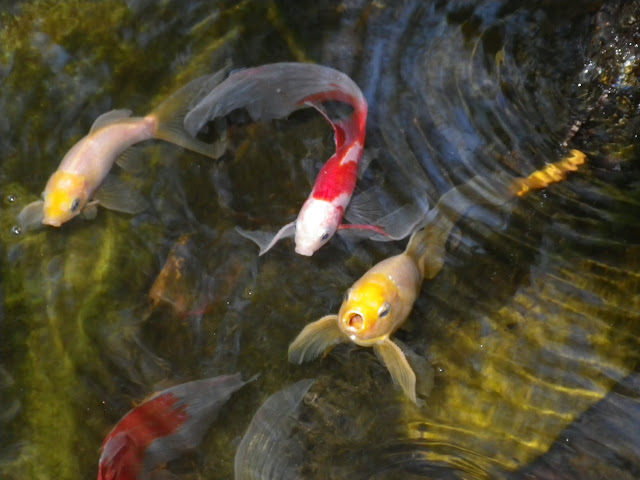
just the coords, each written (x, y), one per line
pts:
(532, 326)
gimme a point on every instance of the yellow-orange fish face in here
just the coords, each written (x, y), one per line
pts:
(367, 314)
(64, 197)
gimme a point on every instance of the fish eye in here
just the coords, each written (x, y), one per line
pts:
(384, 310)
(346, 295)
(325, 236)
(75, 205)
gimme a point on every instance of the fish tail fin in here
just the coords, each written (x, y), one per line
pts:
(203, 399)
(275, 90)
(170, 115)
(315, 338)
(195, 405)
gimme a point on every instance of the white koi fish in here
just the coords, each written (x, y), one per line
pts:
(80, 182)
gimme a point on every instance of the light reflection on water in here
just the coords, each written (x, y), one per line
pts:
(531, 323)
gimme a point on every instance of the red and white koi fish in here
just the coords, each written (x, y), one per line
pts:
(274, 91)
(81, 178)
(160, 429)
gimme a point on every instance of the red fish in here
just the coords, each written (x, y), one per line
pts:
(274, 91)
(160, 429)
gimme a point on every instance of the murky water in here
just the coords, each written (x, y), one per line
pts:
(532, 326)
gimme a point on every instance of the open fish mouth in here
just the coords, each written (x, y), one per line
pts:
(353, 321)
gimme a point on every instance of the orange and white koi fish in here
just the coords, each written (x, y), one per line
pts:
(274, 91)
(160, 429)
(381, 300)
(81, 179)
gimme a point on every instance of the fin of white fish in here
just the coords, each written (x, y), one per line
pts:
(396, 362)
(266, 240)
(316, 338)
(134, 159)
(90, 210)
(171, 113)
(115, 194)
(30, 217)
(108, 118)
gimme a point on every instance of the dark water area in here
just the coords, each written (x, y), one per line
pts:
(532, 327)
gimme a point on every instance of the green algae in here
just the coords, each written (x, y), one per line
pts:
(66, 301)
(75, 26)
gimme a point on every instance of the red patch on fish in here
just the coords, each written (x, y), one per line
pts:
(124, 447)
(339, 174)
(335, 179)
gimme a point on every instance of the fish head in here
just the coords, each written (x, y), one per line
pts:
(65, 196)
(369, 311)
(317, 222)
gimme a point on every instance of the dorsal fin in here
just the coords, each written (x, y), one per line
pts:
(108, 118)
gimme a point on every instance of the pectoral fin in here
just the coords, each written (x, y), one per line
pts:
(315, 338)
(117, 195)
(421, 367)
(90, 210)
(266, 240)
(134, 159)
(30, 217)
(401, 373)
(365, 210)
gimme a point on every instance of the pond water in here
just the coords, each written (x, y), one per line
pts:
(532, 326)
